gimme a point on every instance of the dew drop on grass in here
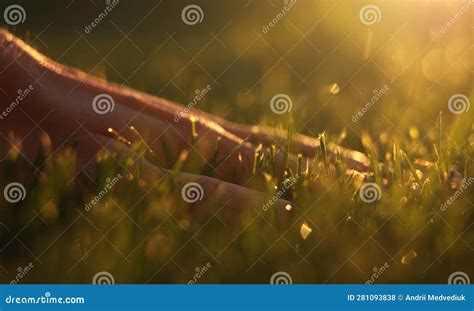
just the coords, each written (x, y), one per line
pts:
(305, 230)
(408, 257)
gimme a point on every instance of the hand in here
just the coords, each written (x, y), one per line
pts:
(59, 104)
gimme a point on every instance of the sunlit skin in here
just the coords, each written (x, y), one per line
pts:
(60, 105)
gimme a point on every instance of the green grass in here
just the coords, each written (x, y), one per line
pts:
(146, 233)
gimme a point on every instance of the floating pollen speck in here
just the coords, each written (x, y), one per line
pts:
(305, 230)
(334, 88)
(408, 257)
(413, 132)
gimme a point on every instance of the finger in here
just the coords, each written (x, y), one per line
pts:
(234, 199)
(300, 144)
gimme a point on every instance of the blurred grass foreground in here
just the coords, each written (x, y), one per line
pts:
(392, 79)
